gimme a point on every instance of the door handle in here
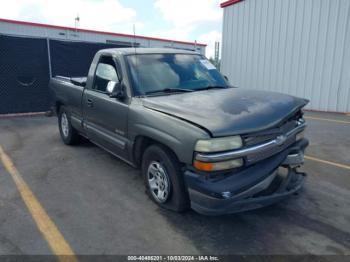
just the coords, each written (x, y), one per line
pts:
(89, 103)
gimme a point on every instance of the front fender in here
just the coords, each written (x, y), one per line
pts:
(178, 135)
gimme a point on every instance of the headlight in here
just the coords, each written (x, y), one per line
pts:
(216, 166)
(219, 144)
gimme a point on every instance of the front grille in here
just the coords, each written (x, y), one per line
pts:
(268, 135)
(253, 158)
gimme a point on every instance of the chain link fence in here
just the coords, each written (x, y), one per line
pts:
(25, 69)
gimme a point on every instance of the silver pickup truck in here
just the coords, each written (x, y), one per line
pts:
(200, 143)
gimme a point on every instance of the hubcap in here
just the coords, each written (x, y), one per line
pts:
(158, 181)
(64, 124)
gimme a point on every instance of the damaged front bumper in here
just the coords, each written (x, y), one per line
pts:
(254, 187)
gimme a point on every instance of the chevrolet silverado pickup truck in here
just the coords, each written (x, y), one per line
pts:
(200, 143)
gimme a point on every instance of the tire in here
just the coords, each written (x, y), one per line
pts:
(162, 172)
(68, 134)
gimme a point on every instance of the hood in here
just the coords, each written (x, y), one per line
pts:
(230, 111)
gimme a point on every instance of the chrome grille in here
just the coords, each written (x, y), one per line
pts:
(268, 135)
(266, 154)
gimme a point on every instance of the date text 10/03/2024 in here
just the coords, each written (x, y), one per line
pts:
(173, 258)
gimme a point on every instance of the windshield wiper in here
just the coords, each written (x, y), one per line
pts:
(169, 90)
(211, 87)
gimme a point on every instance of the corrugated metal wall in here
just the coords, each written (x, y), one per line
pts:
(299, 47)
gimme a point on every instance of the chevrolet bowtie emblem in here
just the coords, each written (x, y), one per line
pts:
(280, 140)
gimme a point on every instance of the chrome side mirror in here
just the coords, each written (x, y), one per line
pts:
(115, 90)
(111, 86)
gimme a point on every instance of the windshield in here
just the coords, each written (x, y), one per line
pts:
(153, 73)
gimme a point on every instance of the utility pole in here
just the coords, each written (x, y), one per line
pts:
(217, 55)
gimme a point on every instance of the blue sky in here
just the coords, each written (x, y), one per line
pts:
(186, 20)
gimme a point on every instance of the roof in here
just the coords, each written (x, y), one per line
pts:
(229, 2)
(141, 50)
(95, 31)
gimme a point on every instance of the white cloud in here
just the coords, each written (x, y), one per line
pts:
(183, 13)
(186, 16)
(107, 15)
(175, 34)
(210, 38)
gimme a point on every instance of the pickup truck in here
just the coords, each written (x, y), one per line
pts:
(200, 143)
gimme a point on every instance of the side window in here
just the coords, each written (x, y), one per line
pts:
(105, 72)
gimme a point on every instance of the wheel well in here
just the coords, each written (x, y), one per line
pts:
(140, 145)
(57, 107)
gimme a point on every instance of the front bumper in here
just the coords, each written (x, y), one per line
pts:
(251, 188)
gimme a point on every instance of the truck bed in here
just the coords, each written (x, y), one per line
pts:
(69, 91)
(79, 81)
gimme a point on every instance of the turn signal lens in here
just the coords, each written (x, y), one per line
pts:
(218, 165)
(203, 166)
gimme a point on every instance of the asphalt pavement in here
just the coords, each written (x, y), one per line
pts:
(99, 206)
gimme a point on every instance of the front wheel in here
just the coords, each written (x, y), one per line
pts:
(68, 134)
(164, 179)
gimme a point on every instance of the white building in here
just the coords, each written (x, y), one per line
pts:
(299, 47)
(27, 29)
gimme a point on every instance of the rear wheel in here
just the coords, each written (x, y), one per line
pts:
(68, 134)
(163, 178)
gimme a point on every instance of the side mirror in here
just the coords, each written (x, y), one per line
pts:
(226, 78)
(115, 90)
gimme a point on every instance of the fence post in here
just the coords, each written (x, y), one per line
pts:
(49, 56)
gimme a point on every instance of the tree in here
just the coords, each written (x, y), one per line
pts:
(215, 63)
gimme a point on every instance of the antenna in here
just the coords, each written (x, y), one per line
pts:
(76, 20)
(134, 37)
(135, 45)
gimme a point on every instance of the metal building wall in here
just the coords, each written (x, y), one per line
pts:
(299, 47)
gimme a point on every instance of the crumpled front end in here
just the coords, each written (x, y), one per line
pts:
(255, 187)
(270, 173)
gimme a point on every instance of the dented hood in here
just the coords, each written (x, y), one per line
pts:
(230, 111)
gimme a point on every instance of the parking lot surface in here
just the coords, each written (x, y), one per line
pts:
(98, 203)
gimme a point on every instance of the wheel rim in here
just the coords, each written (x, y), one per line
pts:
(64, 124)
(158, 181)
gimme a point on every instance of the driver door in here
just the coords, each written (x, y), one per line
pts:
(106, 117)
